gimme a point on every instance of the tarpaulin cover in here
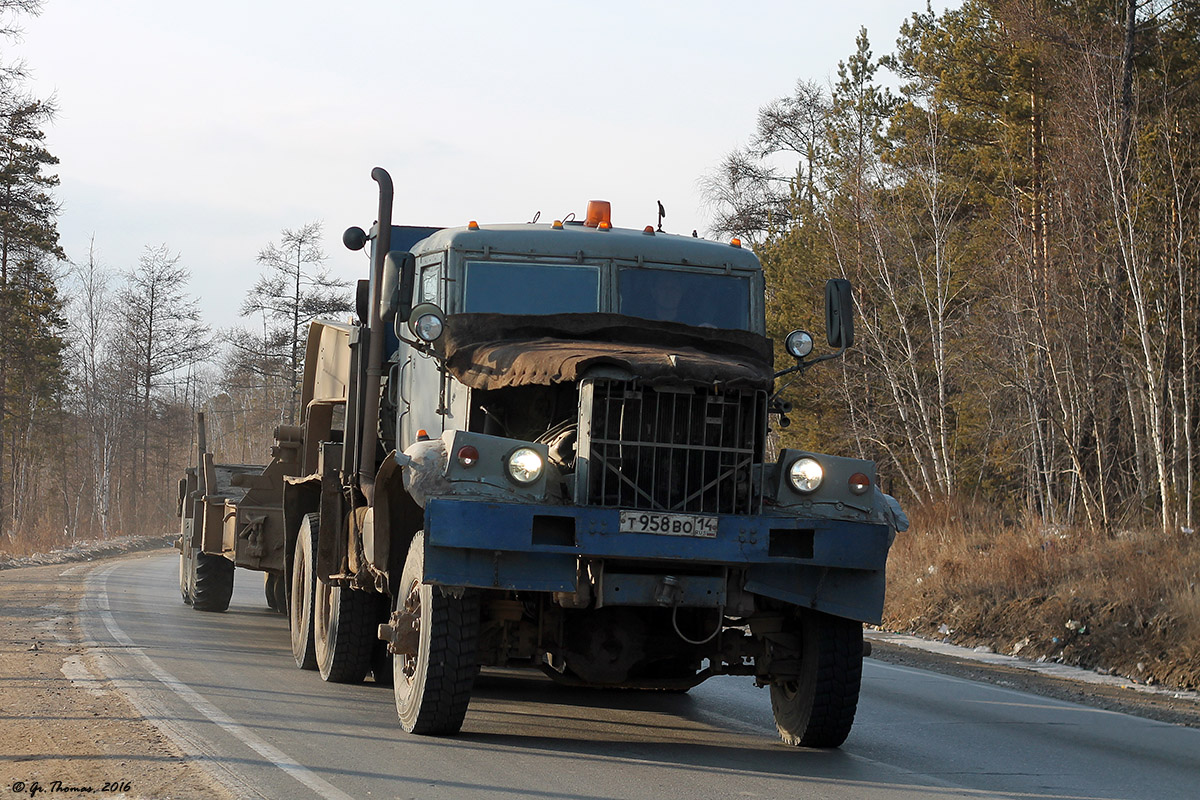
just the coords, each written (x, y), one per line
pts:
(493, 351)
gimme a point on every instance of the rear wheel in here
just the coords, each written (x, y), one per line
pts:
(817, 708)
(276, 592)
(433, 686)
(214, 582)
(345, 623)
(300, 603)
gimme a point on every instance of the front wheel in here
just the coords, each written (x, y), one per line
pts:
(817, 708)
(433, 686)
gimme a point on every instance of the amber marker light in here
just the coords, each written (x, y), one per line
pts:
(603, 226)
(648, 230)
(599, 213)
(422, 435)
(472, 225)
(557, 225)
(736, 242)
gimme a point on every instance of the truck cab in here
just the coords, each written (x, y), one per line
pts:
(552, 453)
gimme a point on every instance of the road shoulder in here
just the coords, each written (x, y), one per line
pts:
(1062, 683)
(63, 720)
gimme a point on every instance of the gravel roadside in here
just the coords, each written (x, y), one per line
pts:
(65, 730)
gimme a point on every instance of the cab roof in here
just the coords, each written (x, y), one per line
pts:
(571, 239)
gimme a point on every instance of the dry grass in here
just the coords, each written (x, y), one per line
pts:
(35, 538)
(1127, 603)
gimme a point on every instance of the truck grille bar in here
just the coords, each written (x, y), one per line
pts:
(687, 450)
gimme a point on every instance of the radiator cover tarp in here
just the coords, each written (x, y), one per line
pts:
(493, 351)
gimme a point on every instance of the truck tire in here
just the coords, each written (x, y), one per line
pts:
(276, 593)
(214, 582)
(345, 628)
(381, 664)
(433, 687)
(817, 709)
(187, 572)
(304, 587)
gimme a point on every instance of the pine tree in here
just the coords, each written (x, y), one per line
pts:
(293, 289)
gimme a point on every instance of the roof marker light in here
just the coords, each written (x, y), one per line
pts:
(472, 225)
(598, 212)
(736, 242)
(648, 230)
(557, 225)
(603, 225)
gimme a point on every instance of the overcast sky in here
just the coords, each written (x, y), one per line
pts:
(210, 126)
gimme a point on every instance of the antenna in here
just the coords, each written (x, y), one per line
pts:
(662, 213)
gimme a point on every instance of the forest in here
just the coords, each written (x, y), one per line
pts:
(1013, 188)
(1014, 192)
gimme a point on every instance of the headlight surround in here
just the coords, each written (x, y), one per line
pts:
(525, 465)
(805, 475)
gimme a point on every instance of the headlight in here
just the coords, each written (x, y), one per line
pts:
(799, 343)
(428, 327)
(805, 474)
(524, 465)
(426, 322)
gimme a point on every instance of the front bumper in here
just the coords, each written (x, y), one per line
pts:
(831, 565)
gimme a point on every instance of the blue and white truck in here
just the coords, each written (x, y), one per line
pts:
(546, 446)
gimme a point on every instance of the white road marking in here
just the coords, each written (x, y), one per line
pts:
(99, 583)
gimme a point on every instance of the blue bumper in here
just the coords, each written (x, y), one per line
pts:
(831, 565)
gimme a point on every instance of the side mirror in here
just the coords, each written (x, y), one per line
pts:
(395, 293)
(839, 313)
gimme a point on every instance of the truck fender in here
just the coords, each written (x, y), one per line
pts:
(396, 518)
(301, 496)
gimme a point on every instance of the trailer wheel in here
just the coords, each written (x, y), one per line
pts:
(433, 687)
(187, 571)
(276, 593)
(345, 628)
(214, 582)
(300, 604)
(817, 708)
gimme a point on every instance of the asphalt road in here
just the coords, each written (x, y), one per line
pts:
(225, 688)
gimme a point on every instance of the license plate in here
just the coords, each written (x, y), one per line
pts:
(669, 524)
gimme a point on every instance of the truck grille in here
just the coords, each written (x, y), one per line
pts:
(671, 450)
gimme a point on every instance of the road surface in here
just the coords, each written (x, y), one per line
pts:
(225, 688)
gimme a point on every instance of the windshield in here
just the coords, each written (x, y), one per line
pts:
(715, 301)
(530, 288)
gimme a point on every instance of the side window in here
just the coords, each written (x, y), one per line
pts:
(430, 289)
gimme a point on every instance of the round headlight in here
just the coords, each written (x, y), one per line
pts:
(799, 343)
(426, 322)
(805, 474)
(428, 327)
(524, 465)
